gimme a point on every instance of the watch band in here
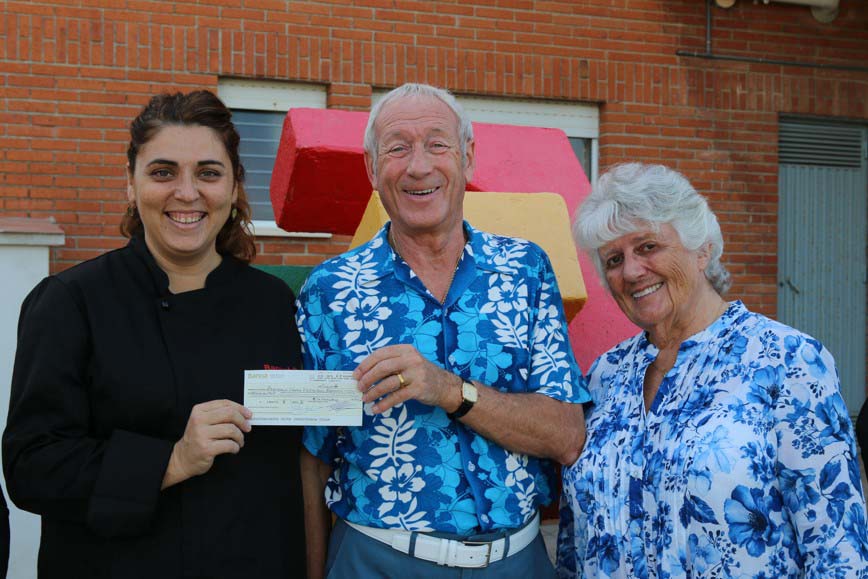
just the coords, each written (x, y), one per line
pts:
(466, 404)
(465, 407)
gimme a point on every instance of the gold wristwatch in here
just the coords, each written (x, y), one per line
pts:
(469, 396)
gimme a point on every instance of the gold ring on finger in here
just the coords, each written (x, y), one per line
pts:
(401, 382)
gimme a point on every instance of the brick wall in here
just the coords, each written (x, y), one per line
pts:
(73, 73)
(299, 251)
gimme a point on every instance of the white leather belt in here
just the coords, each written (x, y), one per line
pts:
(452, 553)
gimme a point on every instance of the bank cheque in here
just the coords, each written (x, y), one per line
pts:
(302, 398)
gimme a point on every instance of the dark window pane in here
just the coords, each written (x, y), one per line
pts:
(260, 136)
(259, 163)
(253, 147)
(582, 149)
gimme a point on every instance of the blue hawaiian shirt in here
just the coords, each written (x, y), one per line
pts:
(502, 324)
(744, 466)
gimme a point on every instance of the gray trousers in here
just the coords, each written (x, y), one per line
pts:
(353, 555)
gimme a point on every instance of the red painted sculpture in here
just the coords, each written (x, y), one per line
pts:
(320, 184)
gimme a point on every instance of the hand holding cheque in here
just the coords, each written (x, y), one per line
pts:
(302, 398)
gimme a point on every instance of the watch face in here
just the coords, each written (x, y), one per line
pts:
(469, 392)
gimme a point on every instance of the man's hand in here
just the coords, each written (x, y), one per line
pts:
(528, 423)
(378, 375)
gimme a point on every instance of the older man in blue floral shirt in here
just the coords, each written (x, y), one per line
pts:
(459, 342)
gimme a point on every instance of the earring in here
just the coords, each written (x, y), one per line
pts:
(234, 213)
(131, 209)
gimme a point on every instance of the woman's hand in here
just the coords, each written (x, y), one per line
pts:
(215, 427)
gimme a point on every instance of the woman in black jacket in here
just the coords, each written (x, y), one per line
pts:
(4, 535)
(126, 430)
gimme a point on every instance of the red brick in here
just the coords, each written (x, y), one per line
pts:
(72, 78)
(277, 247)
(99, 242)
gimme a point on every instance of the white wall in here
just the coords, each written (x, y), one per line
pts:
(23, 262)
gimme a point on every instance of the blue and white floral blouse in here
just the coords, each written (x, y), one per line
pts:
(502, 324)
(744, 466)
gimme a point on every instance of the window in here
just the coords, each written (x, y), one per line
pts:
(258, 110)
(580, 122)
(260, 137)
(583, 147)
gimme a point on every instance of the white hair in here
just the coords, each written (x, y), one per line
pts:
(410, 89)
(632, 196)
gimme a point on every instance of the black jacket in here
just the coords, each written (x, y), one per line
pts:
(4, 536)
(108, 367)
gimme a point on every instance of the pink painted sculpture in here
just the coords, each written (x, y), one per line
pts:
(320, 184)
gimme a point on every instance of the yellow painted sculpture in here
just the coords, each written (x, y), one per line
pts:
(542, 218)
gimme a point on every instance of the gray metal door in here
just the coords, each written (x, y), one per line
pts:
(823, 204)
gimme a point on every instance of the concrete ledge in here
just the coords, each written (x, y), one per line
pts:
(27, 231)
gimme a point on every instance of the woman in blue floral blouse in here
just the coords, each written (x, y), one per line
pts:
(718, 444)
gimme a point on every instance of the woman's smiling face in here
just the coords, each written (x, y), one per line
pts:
(652, 276)
(184, 189)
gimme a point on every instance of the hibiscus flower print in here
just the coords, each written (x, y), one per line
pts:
(401, 482)
(509, 296)
(367, 313)
(413, 467)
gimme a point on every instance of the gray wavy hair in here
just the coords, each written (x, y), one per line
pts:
(410, 89)
(633, 195)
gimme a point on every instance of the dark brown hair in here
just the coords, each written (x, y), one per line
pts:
(198, 108)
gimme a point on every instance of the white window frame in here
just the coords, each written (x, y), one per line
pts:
(581, 120)
(268, 95)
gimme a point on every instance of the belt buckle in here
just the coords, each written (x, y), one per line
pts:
(481, 544)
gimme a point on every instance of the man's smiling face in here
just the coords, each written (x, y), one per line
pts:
(419, 171)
